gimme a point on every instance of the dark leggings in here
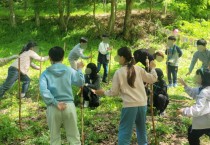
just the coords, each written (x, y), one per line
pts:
(195, 134)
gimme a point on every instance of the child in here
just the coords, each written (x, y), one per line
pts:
(92, 81)
(26, 56)
(203, 54)
(56, 90)
(128, 83)
(103, 56)
(173, 52)
(4, 61)
(200, 112)
(160, 92)
(77, 52)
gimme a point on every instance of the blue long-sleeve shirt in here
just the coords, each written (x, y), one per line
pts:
(56, 83)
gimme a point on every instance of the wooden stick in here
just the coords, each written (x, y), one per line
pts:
(110, 61)
(82, 117)
(151, 102)
(152, 113)
(40, 72)
(64, 46)
(19, 95)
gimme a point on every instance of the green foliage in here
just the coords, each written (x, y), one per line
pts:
(9, 131)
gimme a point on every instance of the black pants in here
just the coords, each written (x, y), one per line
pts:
(195, 134)
(172, 72)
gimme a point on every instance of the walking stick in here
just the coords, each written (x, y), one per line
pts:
(110, 61)
(82, 117)
(40, 72)
(19, 95)
(151, 103)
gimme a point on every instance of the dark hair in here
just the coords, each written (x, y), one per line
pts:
(172, 38)
(202, 42)
(159, 73)
(83, 40)
(56, 53)
(131, 74)
(205, 77)
(93, 67)
(28, 46)
(158, 53)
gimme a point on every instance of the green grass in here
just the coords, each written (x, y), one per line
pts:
(101, 124)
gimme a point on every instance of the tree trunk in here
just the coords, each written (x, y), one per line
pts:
(12, 13)
(127, 19)
(68, 14)
(112, 17)
(61, 16)
(37, 20)
(97, 24)
(25, 5)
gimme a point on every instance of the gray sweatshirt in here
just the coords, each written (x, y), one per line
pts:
(204, 57)
(76, 53)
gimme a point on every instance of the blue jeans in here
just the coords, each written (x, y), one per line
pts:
(129, 116)
(172, 71)
(11, 79)
(105, 66)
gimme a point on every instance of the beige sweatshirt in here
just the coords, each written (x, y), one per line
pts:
(131, 97)
(26, 61)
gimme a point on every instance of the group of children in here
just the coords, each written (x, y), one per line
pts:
(128, 82)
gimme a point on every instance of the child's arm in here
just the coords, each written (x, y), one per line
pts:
(35, 56)
(4, 61)
(192, 92)
(179, 51)
(77, 76)
(45, 93)
(95, 85)
(200, 108)
(193, 61)
(34, 66)
(149, 77)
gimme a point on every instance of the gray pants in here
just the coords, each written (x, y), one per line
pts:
(68, 118)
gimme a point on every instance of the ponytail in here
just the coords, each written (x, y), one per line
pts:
(131, 73)
(28, 46)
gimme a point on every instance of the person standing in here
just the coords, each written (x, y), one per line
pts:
(103, 56)
(56, 90)
(77, 52)
(202, 53)
(173, 53)
(26, 56)
(128, 82)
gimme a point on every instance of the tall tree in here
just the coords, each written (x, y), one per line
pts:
(127, 19)
(112, 16)
(12, 13)
(61, 6)
(37, 7)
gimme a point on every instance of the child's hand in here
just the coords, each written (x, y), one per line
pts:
(181, 81)
(61, 106)
(152, 65)
(98, 92)
(179, 112)
(80, 65)
(188, 73)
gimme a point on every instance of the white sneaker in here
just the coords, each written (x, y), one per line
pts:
(86, 104)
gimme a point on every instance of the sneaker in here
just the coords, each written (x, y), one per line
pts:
(169, 85)
(175, 84)
(86, 104)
